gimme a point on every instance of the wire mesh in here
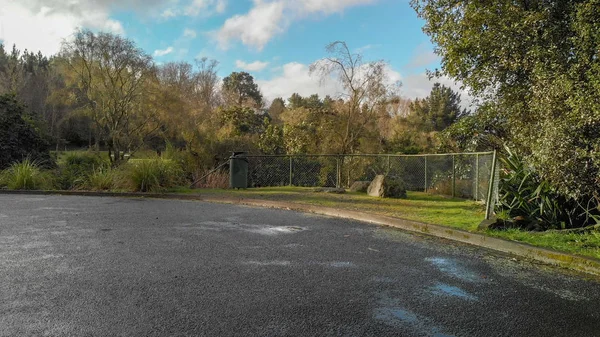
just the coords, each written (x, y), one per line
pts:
(462, 175)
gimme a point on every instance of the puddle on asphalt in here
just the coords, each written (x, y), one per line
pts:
(340, 264)
(448, 290)
(32, 199)
(36, 245)
(268, 230)
(383, 279)
(251, 228)
(55, 209)
(452, 268)
(393, 314)
(334, 264)
(269, 263)
(390, 312)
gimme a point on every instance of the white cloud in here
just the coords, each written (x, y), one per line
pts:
(114, 26)
(254, 66)
(197, 7)
(423, 56)
(295, 77)
(363, 49)
(163, 52)
(168, 13)
(268, 18)
(328, 6)
(189, 33)
(419, 86)
(42, 25)
(221, 6)
(255, 28)
(194, 8)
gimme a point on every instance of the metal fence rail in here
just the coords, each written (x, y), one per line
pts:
(464, 175)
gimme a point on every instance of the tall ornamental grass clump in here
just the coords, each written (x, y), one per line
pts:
(153, 175)
(26, 175)
(102, 179)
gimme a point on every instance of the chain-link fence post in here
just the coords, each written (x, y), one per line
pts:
(338, 173)
(388, 166)
(291, 170)
(453, 176)
(489, 207)
(425, 173)
(477, 176)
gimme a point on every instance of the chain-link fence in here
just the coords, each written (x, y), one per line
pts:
(463, 175)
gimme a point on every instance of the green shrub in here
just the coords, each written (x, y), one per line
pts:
(153, 175)
(534, 203)
(190, 163)
(76, 167)
(26, 175)
(102, 179)
(20, 136)
(394, 187)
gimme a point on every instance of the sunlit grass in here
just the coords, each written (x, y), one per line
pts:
(587, 244)
(419, 206)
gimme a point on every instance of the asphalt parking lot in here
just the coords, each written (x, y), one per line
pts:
(88, 266)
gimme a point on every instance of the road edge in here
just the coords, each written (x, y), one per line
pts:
(575, 262)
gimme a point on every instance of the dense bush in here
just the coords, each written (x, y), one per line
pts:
(528, 201)
(26, 175)
(537, 62)
(102, 179)
(19, 138)
(76, 167)
(152, 175)
(394, 187)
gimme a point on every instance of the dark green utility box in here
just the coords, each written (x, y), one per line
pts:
(238, 170)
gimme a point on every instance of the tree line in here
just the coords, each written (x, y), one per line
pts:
(102, 92)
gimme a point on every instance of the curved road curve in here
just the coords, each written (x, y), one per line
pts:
(86, 266)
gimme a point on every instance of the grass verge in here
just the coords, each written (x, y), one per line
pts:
(423, 207)
(419, 206)
(585, 244)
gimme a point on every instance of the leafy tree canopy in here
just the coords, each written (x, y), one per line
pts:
(539, 61)
(19, 139)
(438, 110)
(242, 90)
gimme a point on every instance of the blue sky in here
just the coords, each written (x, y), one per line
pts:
(274, 40)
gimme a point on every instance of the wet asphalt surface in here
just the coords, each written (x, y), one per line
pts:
(84, 266)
